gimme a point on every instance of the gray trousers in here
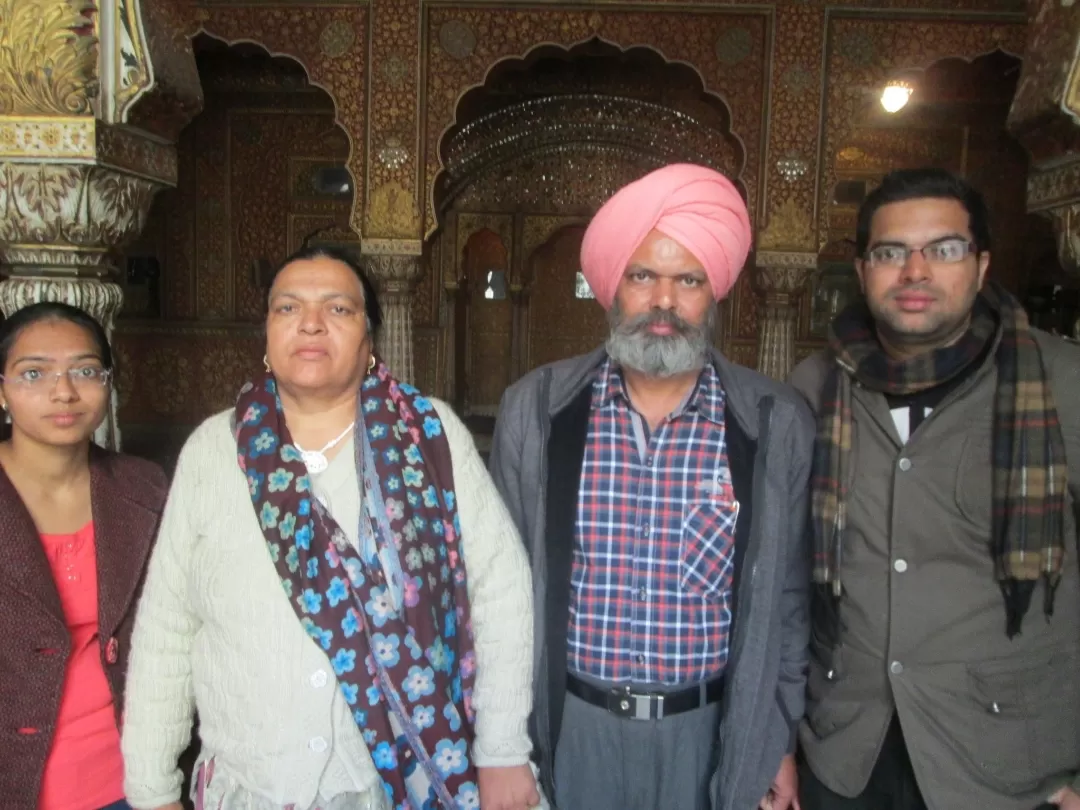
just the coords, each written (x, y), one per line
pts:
(605, 762)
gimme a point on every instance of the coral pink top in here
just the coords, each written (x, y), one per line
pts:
(85, 770)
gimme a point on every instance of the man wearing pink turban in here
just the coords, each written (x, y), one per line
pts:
(662, 491)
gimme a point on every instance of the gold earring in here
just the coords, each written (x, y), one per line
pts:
(266, 362)
(370, 363)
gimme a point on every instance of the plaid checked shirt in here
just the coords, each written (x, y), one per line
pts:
(655, 538)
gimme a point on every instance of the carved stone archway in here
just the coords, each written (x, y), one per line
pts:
(471, 142)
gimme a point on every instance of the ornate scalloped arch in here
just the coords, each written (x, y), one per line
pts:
(531, 55)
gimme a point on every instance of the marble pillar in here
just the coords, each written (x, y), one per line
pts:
(395, 275)
(779, 277)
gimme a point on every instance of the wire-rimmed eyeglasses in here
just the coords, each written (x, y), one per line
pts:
(85, 377)
(944, 251)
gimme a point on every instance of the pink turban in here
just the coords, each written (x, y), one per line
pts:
(697, 207)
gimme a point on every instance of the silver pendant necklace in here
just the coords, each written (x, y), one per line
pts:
(315, 460)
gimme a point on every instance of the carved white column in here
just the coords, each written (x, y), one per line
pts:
(779, 277)
(396, 275)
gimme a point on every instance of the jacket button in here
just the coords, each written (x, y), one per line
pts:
(112, 651)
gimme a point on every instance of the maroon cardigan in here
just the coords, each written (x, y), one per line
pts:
(127, 496)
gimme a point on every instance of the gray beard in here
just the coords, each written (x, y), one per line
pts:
(632, 346)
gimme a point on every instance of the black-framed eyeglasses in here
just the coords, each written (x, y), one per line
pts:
(80, 377)
(944, 251)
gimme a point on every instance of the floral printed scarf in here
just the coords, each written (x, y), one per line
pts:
(393, 616)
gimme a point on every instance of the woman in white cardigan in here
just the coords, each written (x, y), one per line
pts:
(353, 623)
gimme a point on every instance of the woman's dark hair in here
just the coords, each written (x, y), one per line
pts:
(914, 184)
(371, 299)
(12, 327)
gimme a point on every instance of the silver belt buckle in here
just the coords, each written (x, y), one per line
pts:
(639, 707)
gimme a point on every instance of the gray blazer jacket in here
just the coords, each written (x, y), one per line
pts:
(766, 671)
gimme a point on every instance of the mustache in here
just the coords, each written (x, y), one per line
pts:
(640, 324)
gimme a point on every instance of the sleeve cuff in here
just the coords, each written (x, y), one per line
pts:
(508, 746)
(482, 760)
(141, 802)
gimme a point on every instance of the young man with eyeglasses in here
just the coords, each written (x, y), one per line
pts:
(946, 624)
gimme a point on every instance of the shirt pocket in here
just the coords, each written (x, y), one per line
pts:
(707, 549)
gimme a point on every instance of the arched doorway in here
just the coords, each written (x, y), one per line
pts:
(261, 170)
(533, 154)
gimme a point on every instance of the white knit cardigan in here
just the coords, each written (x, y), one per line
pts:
(215, 632)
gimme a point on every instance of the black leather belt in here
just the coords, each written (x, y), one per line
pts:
(625, 701)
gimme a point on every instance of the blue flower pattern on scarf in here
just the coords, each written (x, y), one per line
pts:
(391, 635)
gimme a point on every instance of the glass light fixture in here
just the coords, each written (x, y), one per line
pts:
(896, 95)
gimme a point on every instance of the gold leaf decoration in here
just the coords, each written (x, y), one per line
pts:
(392, 211)
(788, 229)
(48, 55)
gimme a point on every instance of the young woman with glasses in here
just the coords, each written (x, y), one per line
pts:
(76, 527)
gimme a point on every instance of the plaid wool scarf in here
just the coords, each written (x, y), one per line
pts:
(1028, 451)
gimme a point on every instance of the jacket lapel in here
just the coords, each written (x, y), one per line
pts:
(25, 566)
(125, 520)
(566, 454)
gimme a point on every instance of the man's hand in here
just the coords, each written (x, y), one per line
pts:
(1066, 799)
(511, 788)
(784, 793)
(173, 806)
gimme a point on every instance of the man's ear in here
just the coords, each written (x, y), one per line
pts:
(860, 272)
(984, 265)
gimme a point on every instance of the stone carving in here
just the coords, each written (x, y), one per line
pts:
(789, 229)
(102, 299)
(62, 138)
(1048, 188)
(132, 72)
(69, 216)
(457, 38)
(1066, 221)
(396, 276)
(337, 39)
(385, 247)
(48, 57)
(392, 211)
(779, 278)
